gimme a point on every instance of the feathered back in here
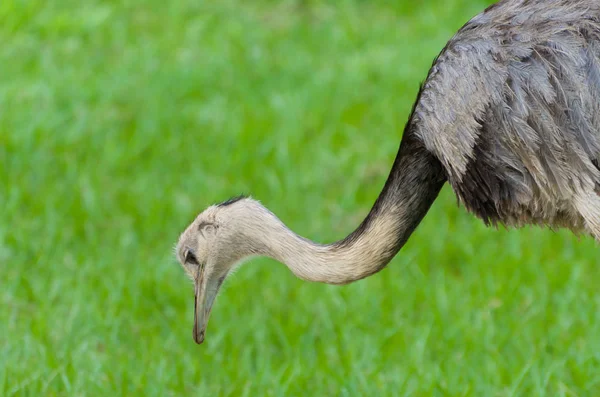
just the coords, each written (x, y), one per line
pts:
(511, 108)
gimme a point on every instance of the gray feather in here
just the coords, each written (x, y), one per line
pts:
(511, 109)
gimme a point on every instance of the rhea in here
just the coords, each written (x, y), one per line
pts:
(509, 116)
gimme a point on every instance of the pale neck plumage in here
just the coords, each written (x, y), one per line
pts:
(414, 182)
(339, 263)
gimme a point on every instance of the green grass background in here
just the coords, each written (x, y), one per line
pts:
(120, 121)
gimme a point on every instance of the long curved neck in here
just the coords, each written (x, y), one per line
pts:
(412, 186)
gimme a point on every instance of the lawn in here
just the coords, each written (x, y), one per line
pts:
(120, 121)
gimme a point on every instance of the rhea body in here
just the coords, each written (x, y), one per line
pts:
(509, 116)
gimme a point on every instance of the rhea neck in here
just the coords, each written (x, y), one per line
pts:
(412, 186)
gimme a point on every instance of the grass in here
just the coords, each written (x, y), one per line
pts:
(120, 121)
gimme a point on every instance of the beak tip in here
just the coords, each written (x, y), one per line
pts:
(198, 337)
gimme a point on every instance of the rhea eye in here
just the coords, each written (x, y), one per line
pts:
(191, 258)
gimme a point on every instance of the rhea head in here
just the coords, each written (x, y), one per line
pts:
(208, 250)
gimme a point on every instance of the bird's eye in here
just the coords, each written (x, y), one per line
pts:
(191, 258)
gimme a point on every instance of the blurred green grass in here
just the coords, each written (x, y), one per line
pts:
(120, 121)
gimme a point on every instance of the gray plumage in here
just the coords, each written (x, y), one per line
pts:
(509, 115)
(511, 108)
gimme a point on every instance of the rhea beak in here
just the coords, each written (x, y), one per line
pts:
(205, 294)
